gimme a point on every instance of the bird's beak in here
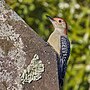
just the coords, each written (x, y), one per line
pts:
(50, 18)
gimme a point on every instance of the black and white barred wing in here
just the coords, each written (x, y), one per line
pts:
(64, 55)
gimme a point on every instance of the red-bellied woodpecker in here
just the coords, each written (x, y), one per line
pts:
(59, 41)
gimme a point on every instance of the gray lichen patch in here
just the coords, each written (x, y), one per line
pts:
(12, 56)
(2, 3)
(6, 13)
(8, 71)
(33, 71)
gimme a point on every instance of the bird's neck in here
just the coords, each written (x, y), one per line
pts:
(61, 31)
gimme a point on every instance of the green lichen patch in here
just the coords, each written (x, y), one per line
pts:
(33, 71)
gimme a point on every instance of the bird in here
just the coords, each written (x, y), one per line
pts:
(61, 44)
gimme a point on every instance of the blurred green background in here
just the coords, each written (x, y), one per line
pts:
(77, 15)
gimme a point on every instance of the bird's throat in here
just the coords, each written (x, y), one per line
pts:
(61, 31)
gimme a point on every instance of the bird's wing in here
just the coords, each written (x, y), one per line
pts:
(64, 55)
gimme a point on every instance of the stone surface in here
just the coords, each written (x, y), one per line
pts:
(18, 45)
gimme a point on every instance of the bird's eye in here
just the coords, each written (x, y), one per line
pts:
(60, 21)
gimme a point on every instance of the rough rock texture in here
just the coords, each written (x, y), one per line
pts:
(18, 45)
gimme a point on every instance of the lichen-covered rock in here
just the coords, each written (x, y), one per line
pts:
(33, 70)
(26, 61)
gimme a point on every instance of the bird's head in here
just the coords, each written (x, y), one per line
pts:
(59, 23)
